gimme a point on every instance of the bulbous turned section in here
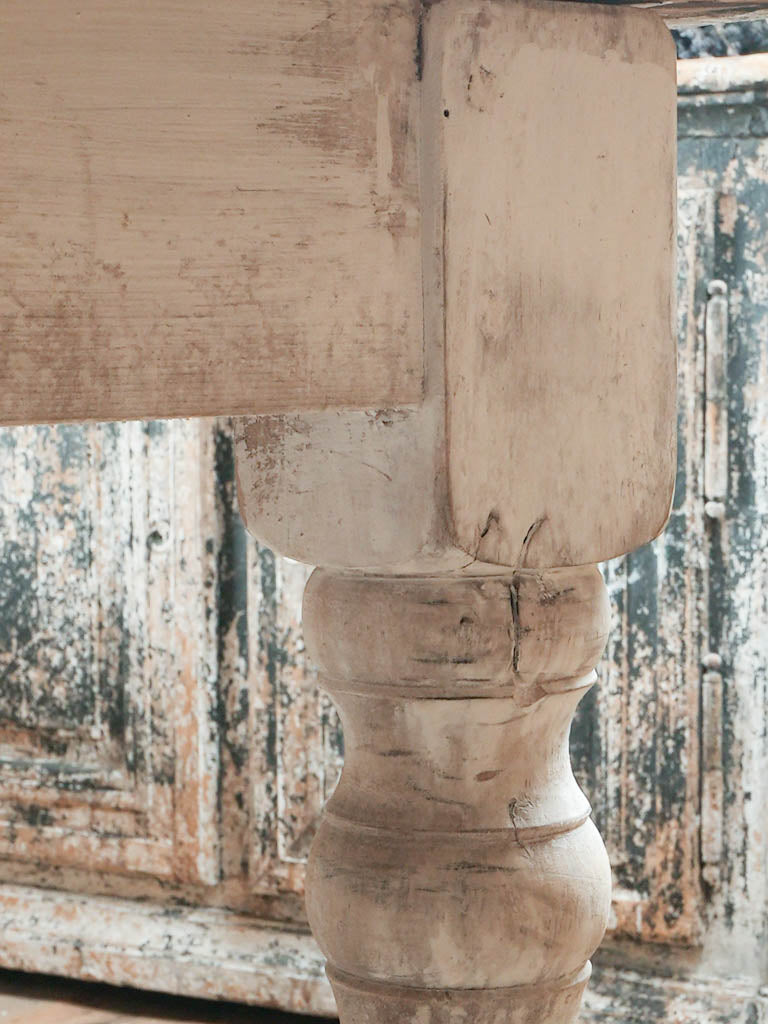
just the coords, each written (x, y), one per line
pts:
(456, 877)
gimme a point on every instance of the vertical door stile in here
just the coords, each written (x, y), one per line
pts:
(714, 510)
(639, 744)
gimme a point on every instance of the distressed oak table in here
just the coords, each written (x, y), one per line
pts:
(425, 252)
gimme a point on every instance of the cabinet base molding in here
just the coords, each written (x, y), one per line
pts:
(190, 951)
(621, 996)
(222, 955)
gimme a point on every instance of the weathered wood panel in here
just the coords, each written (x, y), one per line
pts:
(636, 744)
(207, 208)
(618, 995)
(158, 717)
(723, 157)
(725, 137)
(217, 954)
(559, 257)
(199, 952)
(211, 209)
(298, 739)
(524, 345)
(106, 759)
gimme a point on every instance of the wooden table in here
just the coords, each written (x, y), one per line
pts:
(426, 253)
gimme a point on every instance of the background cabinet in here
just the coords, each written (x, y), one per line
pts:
(672, 748)
(164, 750)
(107, 652)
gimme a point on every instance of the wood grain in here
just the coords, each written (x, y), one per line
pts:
(636, 743)
(559, 253)
(546, 435)
(210, 209)
(456, 875)
(207, 208)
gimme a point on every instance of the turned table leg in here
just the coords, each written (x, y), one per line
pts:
(456, 875)
(458, 615)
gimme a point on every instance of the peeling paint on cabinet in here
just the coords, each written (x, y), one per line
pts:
(685, 772)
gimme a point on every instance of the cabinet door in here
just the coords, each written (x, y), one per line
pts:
(281, 740)
(107, 658)
(635, 742)
(298, 744)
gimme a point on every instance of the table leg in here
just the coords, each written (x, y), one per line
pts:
(456, 875)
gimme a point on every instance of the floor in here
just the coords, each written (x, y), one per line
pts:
(37, 999)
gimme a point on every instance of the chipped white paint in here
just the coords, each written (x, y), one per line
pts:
(94, 774)
(201, 952)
